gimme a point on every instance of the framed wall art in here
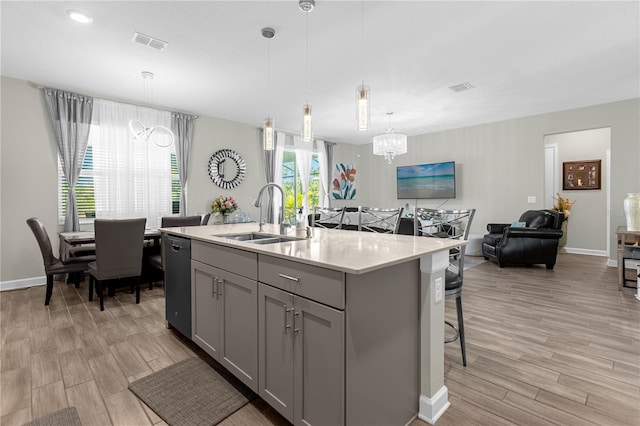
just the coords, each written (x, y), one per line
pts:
(581, 175)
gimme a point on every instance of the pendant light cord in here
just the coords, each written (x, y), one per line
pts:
(268, 78)
(362, 40)
(306, 17)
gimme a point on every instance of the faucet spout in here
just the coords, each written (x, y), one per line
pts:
(258, 203)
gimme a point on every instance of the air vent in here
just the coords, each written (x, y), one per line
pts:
(149, 41)
(461, 87)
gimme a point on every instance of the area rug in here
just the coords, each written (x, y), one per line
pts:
(65, 417)
(471, 261)
(191, 392)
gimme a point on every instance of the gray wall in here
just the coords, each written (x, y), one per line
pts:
(500, 164)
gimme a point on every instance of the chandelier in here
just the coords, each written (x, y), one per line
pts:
(389, 144)
(159, 135)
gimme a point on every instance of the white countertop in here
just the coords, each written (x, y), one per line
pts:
(346, 251)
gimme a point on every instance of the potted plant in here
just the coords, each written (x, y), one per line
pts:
(563, 205)
(222, 207)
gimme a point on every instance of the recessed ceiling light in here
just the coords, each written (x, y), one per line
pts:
(79, 16)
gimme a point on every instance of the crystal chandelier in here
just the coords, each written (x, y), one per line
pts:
(389, 144)
(159, 135)
(269, 123)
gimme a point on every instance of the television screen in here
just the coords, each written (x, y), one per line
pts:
(436, 180)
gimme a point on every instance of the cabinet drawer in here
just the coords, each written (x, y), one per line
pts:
(239, 262)
(322, 285)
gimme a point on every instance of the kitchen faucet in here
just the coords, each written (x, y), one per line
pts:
(283, 225)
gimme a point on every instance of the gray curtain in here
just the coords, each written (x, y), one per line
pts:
(182, 128)
(328, 149)
(70, 114)
(269, 173)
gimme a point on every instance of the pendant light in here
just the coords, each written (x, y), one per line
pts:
(389, 144)
(159, 135)
(307, 130)
(362, 92)
(269, 123)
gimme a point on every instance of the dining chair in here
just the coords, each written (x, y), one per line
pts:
(119, 245)
(454, 224)
(327, 217)
(75, 266)
(382, 221)
(153, 255)
(350, 219)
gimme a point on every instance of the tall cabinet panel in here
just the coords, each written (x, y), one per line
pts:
(276, 349)
(206, 309)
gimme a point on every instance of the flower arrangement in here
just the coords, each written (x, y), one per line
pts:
(224, 205)
(563, 205)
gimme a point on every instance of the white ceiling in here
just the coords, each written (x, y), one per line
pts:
(523, 58)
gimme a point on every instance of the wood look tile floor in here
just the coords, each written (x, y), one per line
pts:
(544, 347)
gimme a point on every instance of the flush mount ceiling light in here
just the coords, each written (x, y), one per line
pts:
(79, 16)
(307, 131)
(362, 92)
(389, 144)
(306, 5)
(159, 135)
(269, 123)
(461, 87)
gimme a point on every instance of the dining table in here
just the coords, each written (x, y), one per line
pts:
(76, 239)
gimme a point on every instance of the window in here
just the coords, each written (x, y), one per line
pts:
(292, 187)
(93, 167)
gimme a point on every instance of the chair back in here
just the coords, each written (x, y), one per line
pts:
(406, 226)
(327, 217)
(384, 221)
(175, 221)
(39, 231)
(351, 219)
(443, 223)
(550, 219)
(205, 219)
(119, 247)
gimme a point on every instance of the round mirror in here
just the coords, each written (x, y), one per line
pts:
(227, 168)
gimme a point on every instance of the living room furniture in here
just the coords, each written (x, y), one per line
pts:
(628, 249)
(53, 265)
(534, 243)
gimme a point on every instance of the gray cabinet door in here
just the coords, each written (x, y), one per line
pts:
(275, 336)
(239, 326)
(206, 309)
(318, 364)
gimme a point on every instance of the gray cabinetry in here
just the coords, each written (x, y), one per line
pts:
(225, 320)
(301, 351)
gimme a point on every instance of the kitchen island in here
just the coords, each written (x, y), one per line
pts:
(342, 328)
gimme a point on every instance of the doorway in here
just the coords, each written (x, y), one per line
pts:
(588, 228)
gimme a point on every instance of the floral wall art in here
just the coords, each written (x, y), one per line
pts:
(344, 182)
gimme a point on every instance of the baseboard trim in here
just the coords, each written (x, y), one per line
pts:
(23, 283)
(432, 408)
(588, 252)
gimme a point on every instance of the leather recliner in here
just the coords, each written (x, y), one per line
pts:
(536, 243)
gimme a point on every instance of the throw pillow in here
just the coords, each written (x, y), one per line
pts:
(518, 224)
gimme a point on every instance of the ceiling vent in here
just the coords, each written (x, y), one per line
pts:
(461, 87)
(149, 41)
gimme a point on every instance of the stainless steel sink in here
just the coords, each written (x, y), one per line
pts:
(258, 238)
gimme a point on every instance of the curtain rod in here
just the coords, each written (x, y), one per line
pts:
(41, 87)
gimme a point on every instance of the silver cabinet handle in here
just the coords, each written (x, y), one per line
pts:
(289, 277)
(286, 324)
(220, 284)
(295, 314)
(213, 287)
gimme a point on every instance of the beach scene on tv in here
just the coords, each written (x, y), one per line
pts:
(437, 180)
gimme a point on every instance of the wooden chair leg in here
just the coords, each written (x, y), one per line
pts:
(138, 290)
(100, 294)
(49, 292)
(90, 288)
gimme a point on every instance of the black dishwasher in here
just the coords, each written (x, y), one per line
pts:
(177, 282)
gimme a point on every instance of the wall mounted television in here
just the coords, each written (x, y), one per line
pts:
(424, 181)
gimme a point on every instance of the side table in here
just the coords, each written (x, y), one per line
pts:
(628, 248)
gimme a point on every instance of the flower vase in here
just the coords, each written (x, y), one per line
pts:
(563, 240)
(218, 219)
(632, 211)
(227, 218)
